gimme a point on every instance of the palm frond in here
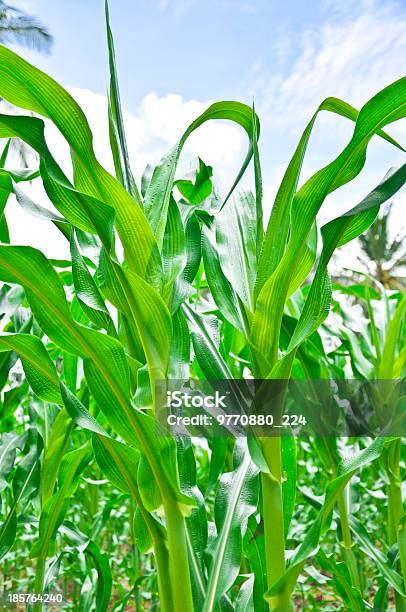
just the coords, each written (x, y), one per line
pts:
(18, 27)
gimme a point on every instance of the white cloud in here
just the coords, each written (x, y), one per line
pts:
(351, 56)
(179, 7)
(162, 120)
(158, 125)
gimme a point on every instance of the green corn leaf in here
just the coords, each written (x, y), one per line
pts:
(70, 370)
(10, 302)
(84, 211)
(104, 576)
(173, 251)
(117, 131)
(158, 459)
(113, 291)
(236, 240)
(219, 448)
(30, 268)
(278, 225)
(4, 233)
(196, 192)
(207, 353)
(179, 356)
(152, 319)
(56, 446)
(25, 480)
(159, 189)
(384, 108)
(289, 463)
(105, 364)
(26, 86)
(254, 550)
(55, 507)
(360, 291)
(118, 462)
(38, 367)
(279, 594)
(25, 483)
(8, 532)
(114, 139)
(7, 361)
(236, 500)
(165, 454)
(381, 597)
(342, 582)
(359, 362)
(87, 292)
(4, 195)
(79, 413)
(308, 257)
(155, 486)
(146, 179)
(142, 536)
(150, 494)
(245, 599)
(143, 395)
(387, 365)
(221, 288)
(335, 234)
(9, 443)
(196, 522)
(374, 329)
(368, 547)
(193, 238)
(81, 543)
(259, 233)
(4, 153)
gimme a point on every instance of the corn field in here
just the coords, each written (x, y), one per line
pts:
(104, 507)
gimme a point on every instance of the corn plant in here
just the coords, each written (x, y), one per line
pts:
(167, 280)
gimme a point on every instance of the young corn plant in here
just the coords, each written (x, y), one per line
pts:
(202, 290)
(377, 353)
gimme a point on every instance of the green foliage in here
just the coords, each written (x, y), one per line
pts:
(90, 482)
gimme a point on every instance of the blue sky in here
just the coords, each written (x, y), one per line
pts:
(176, 56)
(196, 48)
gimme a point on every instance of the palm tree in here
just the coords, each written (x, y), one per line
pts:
(386, 256)
(16, 26)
